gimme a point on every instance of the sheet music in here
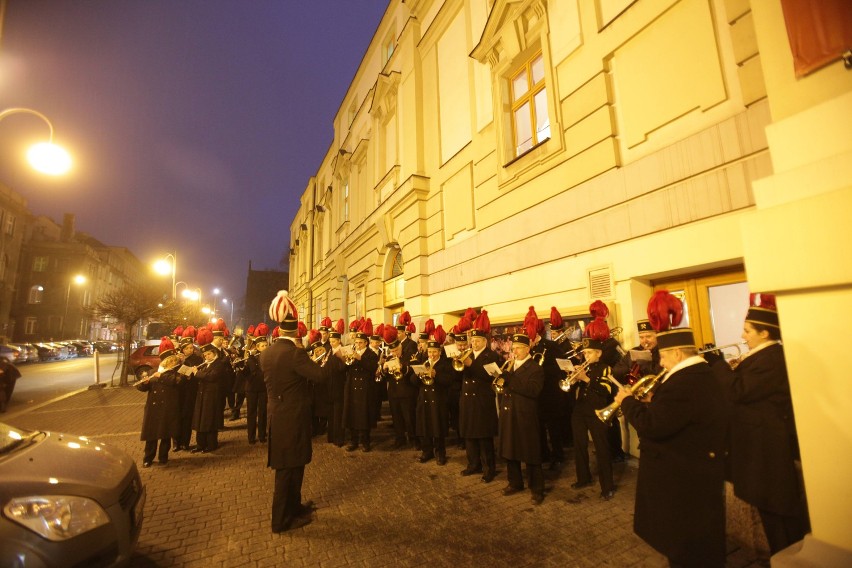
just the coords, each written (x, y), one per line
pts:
(420, 369)
(185, 370)
(492, 369)
(452, 350)
(565, 365)
(640, 355)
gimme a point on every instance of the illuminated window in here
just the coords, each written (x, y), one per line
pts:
(387, 49)
(530, 121)
(10, 224)
(345, 197)
(30, 326)
(397, 267)
(36, 294)
(40, 263)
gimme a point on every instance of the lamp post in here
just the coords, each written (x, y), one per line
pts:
(216, 292)
(225, 301)
(164, 267)
(46, 157)
(78, 279)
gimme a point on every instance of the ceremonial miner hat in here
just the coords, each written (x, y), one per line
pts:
(390, 334)
(325, 324)
(428, 328)
(204, 339)
(188, 336)
(284, 311)
(314, 339)
(644, 325)
(167, 348)
(482, 326)
(665, 312)
(597, 331)
(762, 310)
(379, 333)
(337, 331)
(438, 338)
(261, 331)
(556, 321)
(365, 330)
(403, 320)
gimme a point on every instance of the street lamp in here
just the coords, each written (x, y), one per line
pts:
(216, 292)
(164, 267)
(79, 279)
(230, 321)
(46, 157)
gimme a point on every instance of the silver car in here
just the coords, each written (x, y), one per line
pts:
(66, 501)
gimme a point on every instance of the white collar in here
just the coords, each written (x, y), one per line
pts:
(688, 362)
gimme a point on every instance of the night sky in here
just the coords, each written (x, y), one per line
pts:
(194, 125)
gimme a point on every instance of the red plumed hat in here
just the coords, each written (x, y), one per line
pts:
(367, 327)
(390, 335)
(204, 336)
(250, 331)
(261, 330)
(598, 309)
(664, 311)
(482, 325)
(470, 314)
(355, 325)
(379, 332)
(439, 335)
(325, 323)
(178, 331)
(531, 323)
(314, 337)
(411, 328)
(301, 330)
(403, 320)
(539, 328)
(428, 328)
(765, 301)
(762, 310)
(188, 335)
(338, 329)
(556, 321)
(276, 332)
(167, 348)
(464, 325)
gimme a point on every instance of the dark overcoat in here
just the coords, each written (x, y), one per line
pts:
(432, 419)
(288, 372)
(680, 490)
(208, 409)
(161, 419)
(477, 407)
(519, 431)
(336, 371)
(551, 401)
(763, 440)
(188, 386)
(359, 395)
(254, 374)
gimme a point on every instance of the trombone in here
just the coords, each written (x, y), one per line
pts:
(640, 389)
(570, 380)
(458, 362)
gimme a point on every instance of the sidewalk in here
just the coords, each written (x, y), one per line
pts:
(377, 509)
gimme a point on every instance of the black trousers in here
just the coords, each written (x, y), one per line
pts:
(535, 476)
(151, 450)
(480, 451)
(782, 531)
(287, 498)
(362, 435)
(550, 427)
(433, 446)
(256, 415)
(581, 425)
(207, 440)
(403, 418)
(335, 423)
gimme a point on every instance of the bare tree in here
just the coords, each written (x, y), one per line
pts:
(128, 306)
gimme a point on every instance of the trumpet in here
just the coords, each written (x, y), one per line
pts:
(732, 362)
(565, 334)
(397, 372)
(498, 382)
(427, 378)
(539, 357)
(570, 380)
(349, 357)
(458, 362)
(640, 389)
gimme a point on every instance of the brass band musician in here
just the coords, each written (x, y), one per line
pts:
(431, 415)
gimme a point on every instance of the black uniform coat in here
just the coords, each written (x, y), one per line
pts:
(622, 369)
(551, 400)
(432, 410)
(404, 388)
(680, 495)
(336, 371)
(208, 409)
(595, 394)
(253, 374)
(288, 373)
(477, 409)
(519, 431)
(162, 407)
(188, 386)
(763, 440)
(359, 406)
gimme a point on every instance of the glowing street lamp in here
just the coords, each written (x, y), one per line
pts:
(216, 292)
(164, 267)
(225, 301)
(45, 157)
(79, 280)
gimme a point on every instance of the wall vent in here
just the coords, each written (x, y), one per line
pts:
(600, 284)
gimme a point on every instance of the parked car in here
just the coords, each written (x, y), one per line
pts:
(32, 352)
(106, 346)
(144, 360)
(84, 348)
(13, 354)
(56, 511)
(47, 352)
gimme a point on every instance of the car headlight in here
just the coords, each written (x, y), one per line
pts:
(56, 517)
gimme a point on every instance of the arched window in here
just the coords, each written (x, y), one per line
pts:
(36, 294)
(397, 266)
(395, 283)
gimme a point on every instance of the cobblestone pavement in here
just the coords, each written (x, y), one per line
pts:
(374, 509)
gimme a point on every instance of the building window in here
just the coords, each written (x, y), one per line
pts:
(40, 263)
(30, 326)
(10, 224)
(36, 294)
(530, 121)
(353, 110)
(387, 49)
(345, 197)
(397, 267)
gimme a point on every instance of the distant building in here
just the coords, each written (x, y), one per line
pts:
(261, 287)
(13, 216)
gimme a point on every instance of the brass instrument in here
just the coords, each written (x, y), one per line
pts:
(396, 373)
(349, 357)
(458, 362)
(732, 362)
(640, 389)
(379, 368)
(319, 353)
(570, 380)
(497, 383)
(427, 378)
(539, 357)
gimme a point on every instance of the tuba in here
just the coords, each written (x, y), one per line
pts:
(640, 389)
(570, 380)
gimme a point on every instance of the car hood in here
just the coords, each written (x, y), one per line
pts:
(62, 464)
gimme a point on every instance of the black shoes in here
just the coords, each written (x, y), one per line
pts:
(510, 490)
(146, 464)
(424, 457)
(537, 499)
(351, 447)
(442, 460)
(581, 484)
(470, 471)
(367, 448)
(607, 495)
(488, 477)
(196, 450)
(555, 465)
(306, 509)
(252, 442)
(294, 523)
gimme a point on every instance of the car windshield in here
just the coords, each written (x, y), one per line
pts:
(10, 438)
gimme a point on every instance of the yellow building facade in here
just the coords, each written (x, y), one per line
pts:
(503, 154)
